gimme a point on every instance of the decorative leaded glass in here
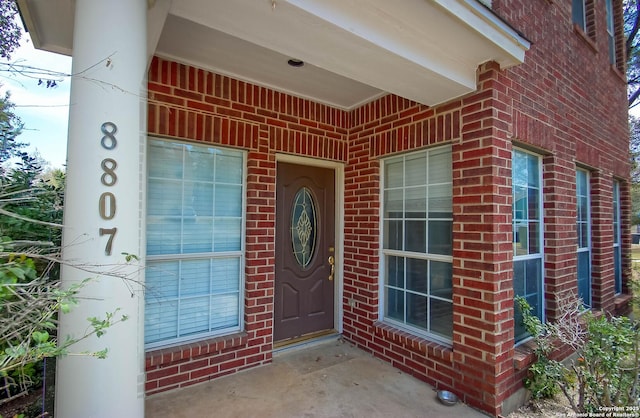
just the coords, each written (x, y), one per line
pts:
(303, 226)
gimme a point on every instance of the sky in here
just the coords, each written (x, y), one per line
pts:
(43, 111)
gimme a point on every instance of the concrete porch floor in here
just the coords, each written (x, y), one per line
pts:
(325, 379)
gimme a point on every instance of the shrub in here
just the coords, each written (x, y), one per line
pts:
(604, 372)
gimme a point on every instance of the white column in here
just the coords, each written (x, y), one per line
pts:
(105, 192)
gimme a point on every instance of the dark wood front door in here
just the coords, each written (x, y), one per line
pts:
(305, 239)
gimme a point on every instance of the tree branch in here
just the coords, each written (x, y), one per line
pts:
(633, 98)
(634, 30)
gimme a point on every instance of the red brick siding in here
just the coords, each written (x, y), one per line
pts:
(590, 19)
(621, 59)
(187, 103)
(565, 103)
(602, 240)
(559, 192)
(483, 251)
(579, 98)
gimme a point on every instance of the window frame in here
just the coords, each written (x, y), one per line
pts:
(239, 254)
(411, 255)
(617, 238)
(519, 339)
(611, 32)
(580, 19)
(585, 221)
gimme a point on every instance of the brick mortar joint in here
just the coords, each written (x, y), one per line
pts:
(210, 346)
(412, 342)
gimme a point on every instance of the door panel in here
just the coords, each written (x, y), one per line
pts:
(305, 238)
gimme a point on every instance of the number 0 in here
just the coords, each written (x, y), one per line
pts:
(107, 206)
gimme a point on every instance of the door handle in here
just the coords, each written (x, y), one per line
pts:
(332, 263)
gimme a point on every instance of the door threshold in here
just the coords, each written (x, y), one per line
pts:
(305, 340)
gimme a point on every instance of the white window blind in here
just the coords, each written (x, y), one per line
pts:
(195, 215)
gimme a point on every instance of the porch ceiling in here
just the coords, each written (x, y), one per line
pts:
(354, 50)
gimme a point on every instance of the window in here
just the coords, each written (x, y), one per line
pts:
(417, 243)
(583, 226)
(578, 11)
(617, 233)
(527, 234)
(583, 16)
(611, 32)
(195, 213)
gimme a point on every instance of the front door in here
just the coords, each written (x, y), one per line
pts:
(305, 242)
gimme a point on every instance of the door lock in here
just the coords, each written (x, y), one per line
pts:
(332, 263)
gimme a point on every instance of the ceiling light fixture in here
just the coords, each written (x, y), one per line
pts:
(295, 62)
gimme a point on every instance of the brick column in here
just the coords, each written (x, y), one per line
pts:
(260, 254)
(361, 245)
(560, 236)
(602, 243)
(483, 251)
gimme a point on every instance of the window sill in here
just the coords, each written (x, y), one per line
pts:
(578, 31)
(165, 356)
(622, 302)
(618, 73)
(412, 342)
(524, 355)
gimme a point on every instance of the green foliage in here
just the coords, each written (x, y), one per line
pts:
(610, 367)
(31, 298)
(545, 374)
(28, 321)
(10, 127)
(631, 15)
(606, 367)
(32, 207)
(635, 202)
(15, 270)
(9, 28)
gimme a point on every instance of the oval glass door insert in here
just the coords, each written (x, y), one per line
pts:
(303, 226)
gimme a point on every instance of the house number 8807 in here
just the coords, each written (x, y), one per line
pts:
(107, 200)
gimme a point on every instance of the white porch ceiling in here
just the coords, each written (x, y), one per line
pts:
(354, 50)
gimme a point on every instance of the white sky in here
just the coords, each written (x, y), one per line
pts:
(44, 111)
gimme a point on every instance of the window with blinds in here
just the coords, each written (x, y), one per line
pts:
(195, 245)
(417, 243)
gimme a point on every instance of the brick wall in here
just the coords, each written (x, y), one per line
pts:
(187, 103)
(565, 102)
(570, 105)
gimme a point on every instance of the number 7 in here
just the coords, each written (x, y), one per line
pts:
(112, 233)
